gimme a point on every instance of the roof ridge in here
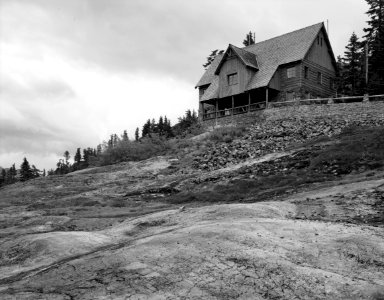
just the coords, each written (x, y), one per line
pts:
(279, 36)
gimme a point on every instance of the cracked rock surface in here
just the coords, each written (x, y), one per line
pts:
(232, 251)
(112, 233)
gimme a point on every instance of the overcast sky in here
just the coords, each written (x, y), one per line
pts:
(74, 71)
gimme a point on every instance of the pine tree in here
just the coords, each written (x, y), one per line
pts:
(86, 155)
(212, 57)
(146, 129)
(3, 177)
(160, 126)
(99, 149)
(168, 127)
(78, 156)
(137, 134)
(67, 157)
(25, 170)
(44, 173)
(11, 175)
(352, 73)
(249, 39)
(125, 136)
(153, 127)
(35, 172)
(375, 39)
(115, 140)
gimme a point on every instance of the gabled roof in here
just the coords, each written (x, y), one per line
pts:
(248, 58)
(272, 53)
(209, 73)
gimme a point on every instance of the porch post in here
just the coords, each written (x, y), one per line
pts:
(233, 105)
(266, 97)
(216, 110)
(201, 111)
(249, 101)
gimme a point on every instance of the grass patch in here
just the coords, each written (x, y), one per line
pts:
(358, 148)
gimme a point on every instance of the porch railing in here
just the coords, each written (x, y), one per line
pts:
(263, 105)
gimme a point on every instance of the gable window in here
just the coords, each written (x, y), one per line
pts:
(319, 78)
(291, 72)
(232, 79)
(321, 42)
(306, 72)
(318, 40)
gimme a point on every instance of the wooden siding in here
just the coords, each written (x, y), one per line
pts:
(293, 83)
(320, 53)
(230, 66)
(202, 89)
(311, 85)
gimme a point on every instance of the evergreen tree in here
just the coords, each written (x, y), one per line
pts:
(375, 39)
(249, 39)
(146, 129)
(340, 82)
(352, 71)
(212, 57)
(167, 127)
(86, 156)
(44, 173)
(3, 176)
(137, 134)
(110, 142)
(78, 156)
(153, 127)
(35, 172)
(11, 175)
(99, 149)
(125, 136)
(67, 157)
(160, 126)
(25, 170)
(114, 140)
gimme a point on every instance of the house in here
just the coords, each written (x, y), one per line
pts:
(296, 65)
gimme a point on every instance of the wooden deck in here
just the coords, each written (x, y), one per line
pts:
(263, 105)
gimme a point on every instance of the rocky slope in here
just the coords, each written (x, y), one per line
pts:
(292, 224)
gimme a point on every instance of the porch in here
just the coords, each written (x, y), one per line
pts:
(237, 104)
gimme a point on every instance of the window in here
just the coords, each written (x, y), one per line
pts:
(319, 78)
(232, 79)
(291, 72)
(318, 40)
(321, 42)
(306, 72)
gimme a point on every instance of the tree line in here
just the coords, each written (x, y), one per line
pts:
(116, 148)
(361, 69)
(26, 172)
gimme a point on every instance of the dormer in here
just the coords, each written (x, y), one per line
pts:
(249, 59)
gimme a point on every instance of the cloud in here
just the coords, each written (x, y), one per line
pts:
(72, 72)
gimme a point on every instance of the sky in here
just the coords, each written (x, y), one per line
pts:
(73, 72)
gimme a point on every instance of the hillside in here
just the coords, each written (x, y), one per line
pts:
(285, 207)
